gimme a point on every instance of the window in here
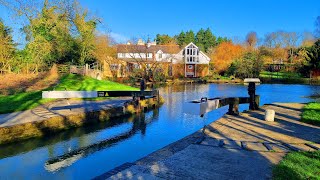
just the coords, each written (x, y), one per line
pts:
(123, 55)
(160, 55)
(114, 66)
(190, 67)
(149, 55)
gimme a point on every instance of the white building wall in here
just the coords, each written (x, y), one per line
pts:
(174, 58)
(203, 59)
(134, 55)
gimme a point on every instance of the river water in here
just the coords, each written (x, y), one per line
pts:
(86, 152)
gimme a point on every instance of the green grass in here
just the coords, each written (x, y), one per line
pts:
(280, 75)
(82, 83)
(30, 100)
(301, 165)
(21, 101)
(311, 114)
(298, 165)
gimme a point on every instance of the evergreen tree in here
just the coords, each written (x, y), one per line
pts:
(200, 39)
(221, 40)
(209, 40)
(189, 37)
(181, 38)
(164, 39)
(313, 56)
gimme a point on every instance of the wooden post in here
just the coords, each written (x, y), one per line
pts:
(233, 106)
(257, 102)
(252, 93)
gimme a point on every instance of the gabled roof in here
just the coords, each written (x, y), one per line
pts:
(191, 44)
(205, 55)
(170, 49)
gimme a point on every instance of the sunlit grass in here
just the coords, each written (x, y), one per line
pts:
(280, 75)
(298, 165)
(311, 114)
(82, 83)
(30, 100)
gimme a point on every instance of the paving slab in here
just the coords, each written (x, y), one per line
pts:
(278, 147)
(256, 146)
(211, 142)
(58, 108)
(300, 147)
(251, 126)
(231, 144)
(206, 162)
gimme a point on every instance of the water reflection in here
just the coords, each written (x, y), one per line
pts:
(139, 123)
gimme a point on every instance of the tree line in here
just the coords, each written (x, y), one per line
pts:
(56, 31)
(286, 50)
(204, 39)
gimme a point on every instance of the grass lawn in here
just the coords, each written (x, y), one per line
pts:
(83, 83)
(301, 165)
(30, 100)
(311, 114)
(280, 75)
(298, 165)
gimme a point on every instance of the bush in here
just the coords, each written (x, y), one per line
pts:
(248, 66)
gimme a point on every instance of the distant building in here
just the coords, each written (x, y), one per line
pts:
(186, 62)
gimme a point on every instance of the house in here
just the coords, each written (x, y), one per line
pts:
(175, 61)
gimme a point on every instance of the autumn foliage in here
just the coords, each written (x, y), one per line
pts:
(224, 54)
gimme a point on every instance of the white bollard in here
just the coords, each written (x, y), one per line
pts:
(269, 115)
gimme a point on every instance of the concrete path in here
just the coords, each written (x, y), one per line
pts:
(234, 147)
(58, 108)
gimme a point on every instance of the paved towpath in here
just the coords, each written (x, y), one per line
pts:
(58, 108)
(234, 147)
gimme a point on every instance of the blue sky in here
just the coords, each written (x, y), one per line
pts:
(127, 19)
(231, 18)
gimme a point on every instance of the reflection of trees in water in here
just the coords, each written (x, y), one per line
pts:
(50, 142)
(139, 124)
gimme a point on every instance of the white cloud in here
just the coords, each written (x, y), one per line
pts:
(119, 38)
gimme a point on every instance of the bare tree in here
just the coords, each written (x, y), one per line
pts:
(251, 39)
(308, 39)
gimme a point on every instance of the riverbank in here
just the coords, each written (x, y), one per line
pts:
(66, 114)
(264, 80)
(234, 147)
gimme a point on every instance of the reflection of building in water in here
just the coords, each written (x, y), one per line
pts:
(138, 125)
(63, 163)
(177, 96)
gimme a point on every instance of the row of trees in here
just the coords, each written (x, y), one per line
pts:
(59, 31)
(204, 39)
(248, 60)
